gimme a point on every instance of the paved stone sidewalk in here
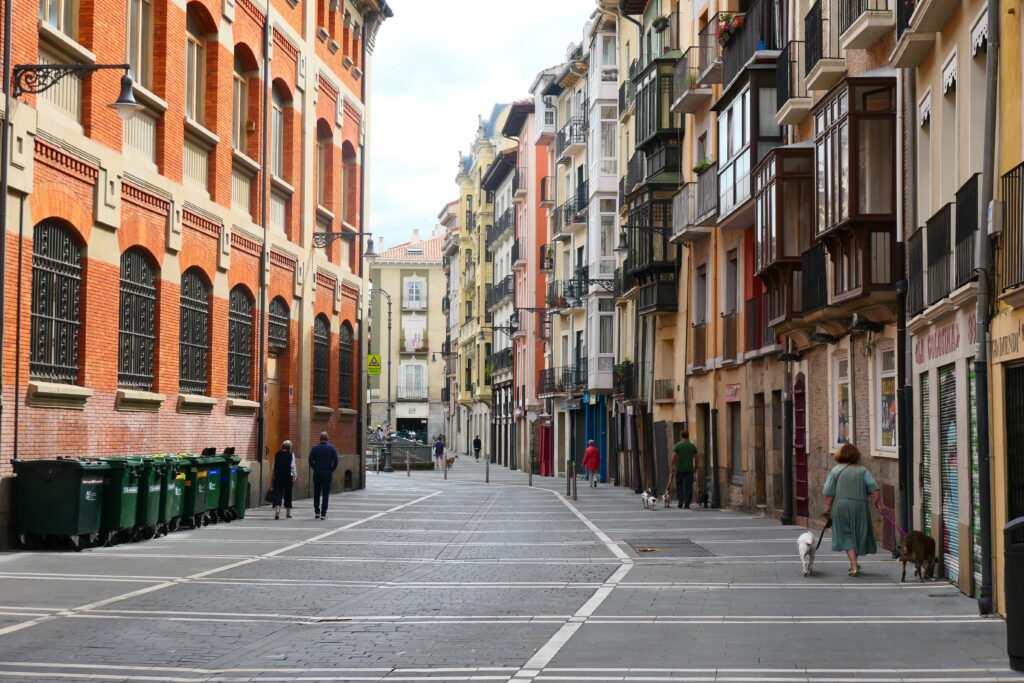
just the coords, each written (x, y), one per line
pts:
(422, 578)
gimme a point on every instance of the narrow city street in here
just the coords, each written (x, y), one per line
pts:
(417, 578)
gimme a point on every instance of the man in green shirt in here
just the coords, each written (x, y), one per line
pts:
(684, 464)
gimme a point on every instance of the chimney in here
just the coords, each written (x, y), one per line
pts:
(415, 234)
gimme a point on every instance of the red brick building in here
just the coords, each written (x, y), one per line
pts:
(132, 280)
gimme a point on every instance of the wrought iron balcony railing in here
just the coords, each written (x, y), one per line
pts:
(815, 278)
(937, 235)
(789, 73)
(966, 230)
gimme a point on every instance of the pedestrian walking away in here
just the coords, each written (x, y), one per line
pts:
(323, 460)
(847, 490)
(476, 447)
(592, 463)
(438, 454)
(684, 464)
(283, 476)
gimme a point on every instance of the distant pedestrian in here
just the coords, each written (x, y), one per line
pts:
(284, 474)
(438, 453)
(476, 448)
(847, 490)
(592, 463)
(323, 460)
(684, 464)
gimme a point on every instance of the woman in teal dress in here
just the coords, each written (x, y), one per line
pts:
(847, 490)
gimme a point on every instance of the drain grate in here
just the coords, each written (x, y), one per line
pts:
(669, 547)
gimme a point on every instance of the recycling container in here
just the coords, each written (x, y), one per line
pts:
(215, 467)
(194, 505)
(61, 497)
(242, 492)
(172, 492)
(1013, 585)
(228, 484)
(121, 494)
(147, 513)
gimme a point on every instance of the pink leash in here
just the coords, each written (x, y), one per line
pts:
(886, 517)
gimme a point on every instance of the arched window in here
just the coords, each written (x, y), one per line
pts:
(195, 333)
(321, 333)
(277, 332)
(240, 315)
(137, 321)
(56, 286)
(350, 183)
(195, 67)
(277, 131)
(239, 105)
(345, 366)
(324, 145)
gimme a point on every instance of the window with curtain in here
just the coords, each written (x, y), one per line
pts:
(195, 68)
(240, 325)
(321, 335)
(56, 303)
(137, 321)
(195, 333)
(140, 41)
(345, 366)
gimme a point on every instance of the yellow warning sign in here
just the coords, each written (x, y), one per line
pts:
(373, 364)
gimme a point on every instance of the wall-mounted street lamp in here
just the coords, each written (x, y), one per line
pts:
(321, 240)
(38, 78)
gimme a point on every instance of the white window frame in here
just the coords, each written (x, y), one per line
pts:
(60, 15)
(239, 107)
(839, 357)
(879, 375)
(195, 71)
(139, 54)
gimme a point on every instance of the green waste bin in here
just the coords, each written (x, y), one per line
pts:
(196, 501)
(59, 499)
(213, 485)
(228, 484)
(242, 492)
(151, 481)
(120, 497)
(172, 492)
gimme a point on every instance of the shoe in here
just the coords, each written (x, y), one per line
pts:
(288, 514)
(687, 507)
(322, 517)
(277, 514)
(680, 505)
(854, 572)
(317, 516)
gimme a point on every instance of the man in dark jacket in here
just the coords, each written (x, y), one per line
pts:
(323, 460)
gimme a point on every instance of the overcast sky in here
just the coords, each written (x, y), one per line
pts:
(437, 65)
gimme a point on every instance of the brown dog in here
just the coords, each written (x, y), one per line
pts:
(918, 548)
(448, 462)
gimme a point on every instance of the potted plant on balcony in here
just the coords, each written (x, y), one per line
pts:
(694, 81)
(660, 22)
(703, 165)
(728, 25)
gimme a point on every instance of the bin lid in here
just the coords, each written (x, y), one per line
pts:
(244, 470)
(67, 463)
(122, 461)
(233, 459)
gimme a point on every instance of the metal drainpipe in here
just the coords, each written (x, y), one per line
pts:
(984, 257)
(787, 441)
(905, 380)
(5, 146)
(361, 402)
(264, 189)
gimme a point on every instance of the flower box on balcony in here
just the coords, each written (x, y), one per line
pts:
(660, 23)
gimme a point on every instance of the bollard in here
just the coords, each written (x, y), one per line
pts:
(408, 467)
(573, 462)
(487, 470)
(444, 466)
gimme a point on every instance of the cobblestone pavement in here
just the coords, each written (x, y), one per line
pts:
(422, 578)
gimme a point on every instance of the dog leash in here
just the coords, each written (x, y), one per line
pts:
(886, 517)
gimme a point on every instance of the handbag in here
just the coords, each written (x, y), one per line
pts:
(269, 496)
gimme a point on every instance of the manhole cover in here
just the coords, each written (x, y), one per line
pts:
(669, 547)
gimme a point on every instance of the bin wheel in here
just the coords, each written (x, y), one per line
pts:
(30, 541)
(103, 538)
(146, 533)
(174, 524)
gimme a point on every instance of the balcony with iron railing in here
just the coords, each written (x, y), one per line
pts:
(627, 98)
(634, 172)
(730, 337)
(564, 294)
(684, 216)
(446, 304)
(707, 196)
(691, 95)
(966, 231)
(825, 61)
(412, 392)
(500, 361)
(709, 65)
(759, 333)
(658, 297)
(502, 226)
(664, 390)
(1011, 261)
(792, 99)
(937, 237)
(470, 220)
(661, 41)
(913, 42)
(469, 275)
(517, 255)
(700, 345)
(519, 183)
(915, 274)
(747, 35)
(571, 215)
(500, 292)
(546, 260)
(863, 22)
(571, 139)
(415, 344)
(624, 282)
(547, 191)
(624, 382)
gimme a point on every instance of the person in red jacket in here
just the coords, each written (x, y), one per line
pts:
(592, 462)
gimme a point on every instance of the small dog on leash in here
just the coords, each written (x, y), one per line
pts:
(448, 462)
(806, 545)
(704, 500)
(649, 500)
(919, 548)
(667, 499)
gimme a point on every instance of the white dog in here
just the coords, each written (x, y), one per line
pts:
(649, 500)
(806, 544)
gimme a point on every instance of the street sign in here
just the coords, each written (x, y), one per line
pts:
(373, 364)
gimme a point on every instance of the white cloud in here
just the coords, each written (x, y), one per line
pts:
(437, 66)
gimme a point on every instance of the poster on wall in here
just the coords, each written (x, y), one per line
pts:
(888, 410)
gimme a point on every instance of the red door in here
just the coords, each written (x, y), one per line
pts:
(800, 492)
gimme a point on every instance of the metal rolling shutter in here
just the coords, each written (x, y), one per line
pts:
(948, 461)
(926, 454)
(972, 394)
(1015, 442)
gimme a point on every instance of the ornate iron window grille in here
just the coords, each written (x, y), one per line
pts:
(56, 285)
(195, 334)
(321, 333)
(345, 366)
(240, 314)
(277, 330)
(137, 321)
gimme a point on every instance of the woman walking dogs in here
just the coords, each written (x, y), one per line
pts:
(847, 490)
(284, 476)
